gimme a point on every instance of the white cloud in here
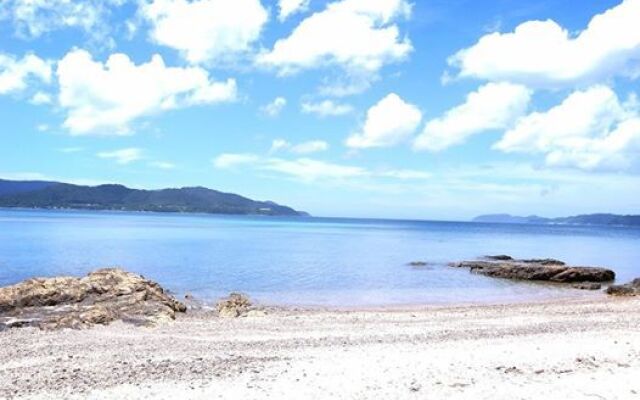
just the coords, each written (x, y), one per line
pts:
(206, 30)
(347, 85)
(279, 144)
(162, 165)
(33, 18)
(311, 170)
(405, 174)
(105, 98)
(542, 53)
(231, 160)
(389, 122)
(590, 129)
(69, 150)
(312, 146)
(41, 98)
(290, 7)
(274, 108)
(359, 35)
(327, 108)
(122, 156)
(492, 106)
(15, 74)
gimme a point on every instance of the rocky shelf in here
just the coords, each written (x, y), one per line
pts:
(547, 270)
(101, 297)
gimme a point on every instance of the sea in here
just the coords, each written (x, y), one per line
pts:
(305, 261)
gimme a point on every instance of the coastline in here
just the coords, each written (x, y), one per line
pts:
(582, 348)
(571, 296)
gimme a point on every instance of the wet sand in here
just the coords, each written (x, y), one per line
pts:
(563, 349)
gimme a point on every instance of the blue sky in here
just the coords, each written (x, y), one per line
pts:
(366, 108)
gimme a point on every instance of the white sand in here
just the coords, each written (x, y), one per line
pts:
(561, 350)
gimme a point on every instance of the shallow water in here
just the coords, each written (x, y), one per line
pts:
(303, 261)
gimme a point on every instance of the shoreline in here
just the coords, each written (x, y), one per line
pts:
(581, 296)
(588, 348)
(568, 294)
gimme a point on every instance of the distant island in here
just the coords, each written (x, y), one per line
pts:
(588, 219)
(57, 195)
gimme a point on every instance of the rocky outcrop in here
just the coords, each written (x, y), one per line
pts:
(501, 257)
(587, 286)
(543, 261)
(101, 297)
(628, 289)
(238, 305)
(539, 270)
(421, 265)
(233, 306)
(418, 264)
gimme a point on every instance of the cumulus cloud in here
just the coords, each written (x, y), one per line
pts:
(326, 108)
(69, 150)
(544, 54)
(405, 174)
(17, 73)
(590, 129)
(389, 122)
(41, 98)
(162, 165)
(290, 7)
(306, 169)
(122, 156)
(311, 170)
(205, 30)
(33, 18)
(303, 169)
(231, 160)
(360, 36)
(105, 98)
(348, 85)
(312, 146)
(493, 106)
(275, 107)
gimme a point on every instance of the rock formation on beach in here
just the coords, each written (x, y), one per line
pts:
(549, 270)
(587, 286)
(237, 305)
(421, 265)
(628, 289)
(101, 297)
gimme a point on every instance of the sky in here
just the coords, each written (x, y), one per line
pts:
(430, 109)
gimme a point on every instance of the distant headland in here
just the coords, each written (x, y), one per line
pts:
(57, 195)
(587, 219)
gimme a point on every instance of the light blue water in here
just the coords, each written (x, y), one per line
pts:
(302, 261)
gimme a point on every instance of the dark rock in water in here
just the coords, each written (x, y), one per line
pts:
(628, 289)
(543, 261)
(421, 265)
(501, 257)
(236, 305)
(418, 264)
(538, 271)
(587, 286)
(101, 297)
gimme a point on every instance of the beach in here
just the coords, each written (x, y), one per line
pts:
(572, 348)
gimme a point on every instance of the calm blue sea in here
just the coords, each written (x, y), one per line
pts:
(303, 261)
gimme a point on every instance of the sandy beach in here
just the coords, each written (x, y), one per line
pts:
(577, 349)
